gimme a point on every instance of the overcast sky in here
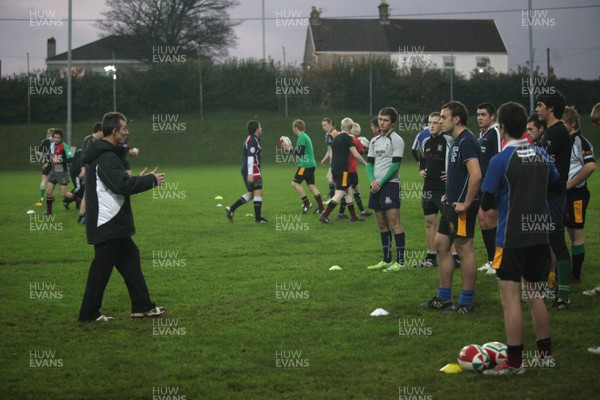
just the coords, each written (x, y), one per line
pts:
(572, 28)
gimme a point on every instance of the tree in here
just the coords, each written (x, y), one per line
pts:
(195, 25)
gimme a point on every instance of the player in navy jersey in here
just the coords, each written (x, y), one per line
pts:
(341, 148)
(519, 178)
(417, 146)
(251, 173)
(457, 223)
(491, 144)
(557, 143)
(582, 166)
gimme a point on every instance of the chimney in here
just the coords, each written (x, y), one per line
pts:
(315, 16)
(51, 47)
(384, 13)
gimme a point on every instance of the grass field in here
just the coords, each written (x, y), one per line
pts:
(253, 311)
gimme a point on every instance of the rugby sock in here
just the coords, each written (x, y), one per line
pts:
(544, 347)
(49, 201)
(239, 202)
(563, 270)
(489, 237)
(329, 209)
(358, 202)
(331, 189)
(42, 192)
(386, 244)
(305, 201)
(319, 201)
(431, 255)
(444, 294)
(456, 259)
(578, 254)
(466, 297)
(257, 207)
(400, 246)
(352, 211)
(342, 206)
(514, 355)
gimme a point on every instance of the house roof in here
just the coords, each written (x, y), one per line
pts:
(125, 48)
(433, 35)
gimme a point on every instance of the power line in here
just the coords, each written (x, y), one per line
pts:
(363, 16)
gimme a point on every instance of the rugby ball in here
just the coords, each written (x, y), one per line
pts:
(496, 351)
(364, 141)
(285, 141)
(473, 358)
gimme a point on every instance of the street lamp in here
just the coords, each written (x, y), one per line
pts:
(112, 68)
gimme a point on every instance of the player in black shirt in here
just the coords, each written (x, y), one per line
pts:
(491, 144)
(432, 168)
(341, 147)
(557, 143)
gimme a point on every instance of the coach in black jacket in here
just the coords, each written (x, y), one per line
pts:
(109, 222)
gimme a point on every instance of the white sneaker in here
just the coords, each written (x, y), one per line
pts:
(594, 350)
(155, 312)
(485, 267)
(104, 318)
(592, 292)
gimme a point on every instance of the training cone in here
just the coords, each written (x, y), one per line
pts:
(335, 268)
(379, 312)
(219, 198)
(451, 368)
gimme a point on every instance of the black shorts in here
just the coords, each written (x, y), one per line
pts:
(389, 196)
(46, 171)
(305, 174)
(556, 208)
(527, 262)
(431, 201)
(353, 178)
(461, 224)
(576, 206)
(494, 203)
(342, 181)
(256, 185)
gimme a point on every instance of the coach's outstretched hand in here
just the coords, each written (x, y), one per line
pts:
(160, 176)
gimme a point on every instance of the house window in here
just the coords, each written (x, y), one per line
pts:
(482, 63)
(448, 62)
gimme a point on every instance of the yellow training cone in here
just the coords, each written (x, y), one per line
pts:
(452, 368)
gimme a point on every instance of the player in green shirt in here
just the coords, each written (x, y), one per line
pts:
(306, 167)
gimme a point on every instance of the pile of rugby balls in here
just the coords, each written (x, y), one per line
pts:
(477, 358)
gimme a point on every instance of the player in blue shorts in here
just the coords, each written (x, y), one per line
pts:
(383, 167)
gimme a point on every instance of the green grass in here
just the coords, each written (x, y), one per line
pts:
(215, 140)
(226, 299)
